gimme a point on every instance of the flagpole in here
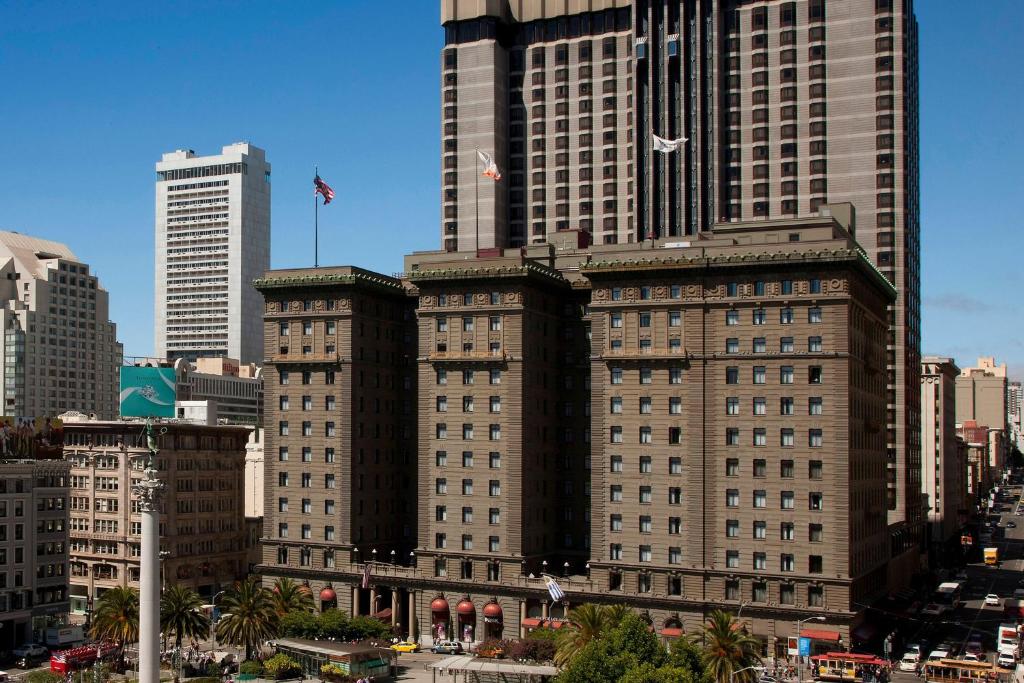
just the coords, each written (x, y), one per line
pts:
(316, 223)
(476, 201)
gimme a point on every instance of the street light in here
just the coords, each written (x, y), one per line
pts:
(799, 623)
(213, 631)
(746, 668)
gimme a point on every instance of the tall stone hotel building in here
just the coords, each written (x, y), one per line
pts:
(787, 106)
(673, 428)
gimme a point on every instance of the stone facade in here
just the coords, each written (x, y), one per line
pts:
(671, 428)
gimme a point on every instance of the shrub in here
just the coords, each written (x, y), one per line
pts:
(363, 628)
(335, 674)
(532, 649)
(281, 666)
(492, 649)
(206, 679)
(332, 624)
(543, 634)
(253, 667)
(299, 624)
(43, 677)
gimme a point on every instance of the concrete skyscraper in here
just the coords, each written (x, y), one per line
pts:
(787, 106)
(60, 349)
(212, 241)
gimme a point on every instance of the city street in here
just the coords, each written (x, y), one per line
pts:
(974, 617)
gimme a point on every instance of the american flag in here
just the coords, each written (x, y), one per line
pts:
(324, 189)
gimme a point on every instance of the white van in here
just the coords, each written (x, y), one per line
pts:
(936, 655)
(909, 662)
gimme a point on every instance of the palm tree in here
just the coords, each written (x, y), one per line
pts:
(728, 648)
(289, 596)
(181, 613)
(586, 623)
(249, 616)
(117, 618)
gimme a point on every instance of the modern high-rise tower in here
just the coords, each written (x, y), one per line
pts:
(212, 241)
(787, 106)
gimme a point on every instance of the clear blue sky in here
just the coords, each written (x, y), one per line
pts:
(91, 97)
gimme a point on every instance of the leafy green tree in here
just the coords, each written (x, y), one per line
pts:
(299, 624)
(633, 637)
(249, 616)
(117, 618)
(333, 623)
(728, 649)
(290, 596)
(363, 627)
(684, 653)
(646, 672)
(587, 622)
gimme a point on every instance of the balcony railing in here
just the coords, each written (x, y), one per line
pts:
(483, 355)
(660, 352)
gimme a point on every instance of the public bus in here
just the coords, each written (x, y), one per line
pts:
(847, 666)
(959, 671)
(68, 661)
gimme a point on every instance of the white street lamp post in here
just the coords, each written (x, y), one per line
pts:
(746, 668)
(799, 624)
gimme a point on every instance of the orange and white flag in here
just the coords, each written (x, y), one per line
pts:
(490, 168)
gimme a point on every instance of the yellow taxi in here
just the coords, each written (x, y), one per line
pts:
(406, 646)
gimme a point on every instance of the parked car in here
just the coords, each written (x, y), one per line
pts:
(970, 657)
(406, 646)
(1011, 524)
(974, 647)
(1006, 660)
(31, 650)
(447, 647)
(909, 662)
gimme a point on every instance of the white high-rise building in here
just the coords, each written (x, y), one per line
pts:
(212, 241)
(60, 349)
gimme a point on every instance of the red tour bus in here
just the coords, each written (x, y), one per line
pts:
(68, 661)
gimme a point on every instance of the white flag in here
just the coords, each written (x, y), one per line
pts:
(666, 146)
(554, 590)
(490, 168)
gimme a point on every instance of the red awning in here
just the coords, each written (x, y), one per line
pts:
(820, 634)
(532, 622)
(556, 623)
(671, 632)
(384, 614)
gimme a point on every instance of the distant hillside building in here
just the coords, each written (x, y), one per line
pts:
(60, 348)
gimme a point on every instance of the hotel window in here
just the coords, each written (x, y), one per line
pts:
(787, 499)
(283, 402)
(494, 487)
(732, 559)
(645, 494)
(467, 324)
(732, 498)
(442, 376)
(307, 328)
(467, 515)
(495, 377)
(732, 528)
(787, 563)
(786, 345)
(616, 375)
(495, 323)
(615, 523)
(282, 454)
(760, 530)
(760, 345)
(814, 374)
(760, 563)
(441, 486)
(786, 469)
(675, 376)
(328, 481)
(440, 567)
(467, 458)
(786, 531)
(330, 403)
(441, 458)
(760, 376)
(329, 536)
(467, 432)
(814, 344)
(467, 487)
(645, 320)
(284, 373)
(284, 333)
(616, 493)
(732, 467)
(675, 495)
(675, 466)
(645, 435)
(815, 565)
(786, 437)
(732, 588)
(645, 553)
(814, 469)
(615, 435)
(675, 319)
(760, 499)
(732, 289)
(814, 405)
(615, 551)
(495, 404)
(760, 468)
(732, 436)
(616, 463)
(786, 374)
(814, 315)
(760, 406)
(494, 432)
(645, 524)
(307, 429)
(786, 316)
(732, 405)
(467, 377)
(786, 405)
(675, 556)
(815, 596)
(645, 464)
(307, 506)
(758, 316)
(814, 438)
(442, 404)
(732, 345)
(307, 403)
(493, 516)
(467, 404)
(441, 513)
(732, 317)
(329, 428)
(732, 375)
(816, 501)
(814, 533)
(645, 376)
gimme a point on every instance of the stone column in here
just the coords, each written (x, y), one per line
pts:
(522, 618)
(395, 606)
(148, 491)
(544, 610)
(355, 601)
(373, 601)
(413, 631)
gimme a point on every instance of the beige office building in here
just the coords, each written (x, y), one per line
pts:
(33, 549)
(787, 106)
(670, 427)
(981, 394)
(60, 349)
(204, 541)
(941, 476)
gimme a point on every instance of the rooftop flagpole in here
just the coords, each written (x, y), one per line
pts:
(316, 222)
